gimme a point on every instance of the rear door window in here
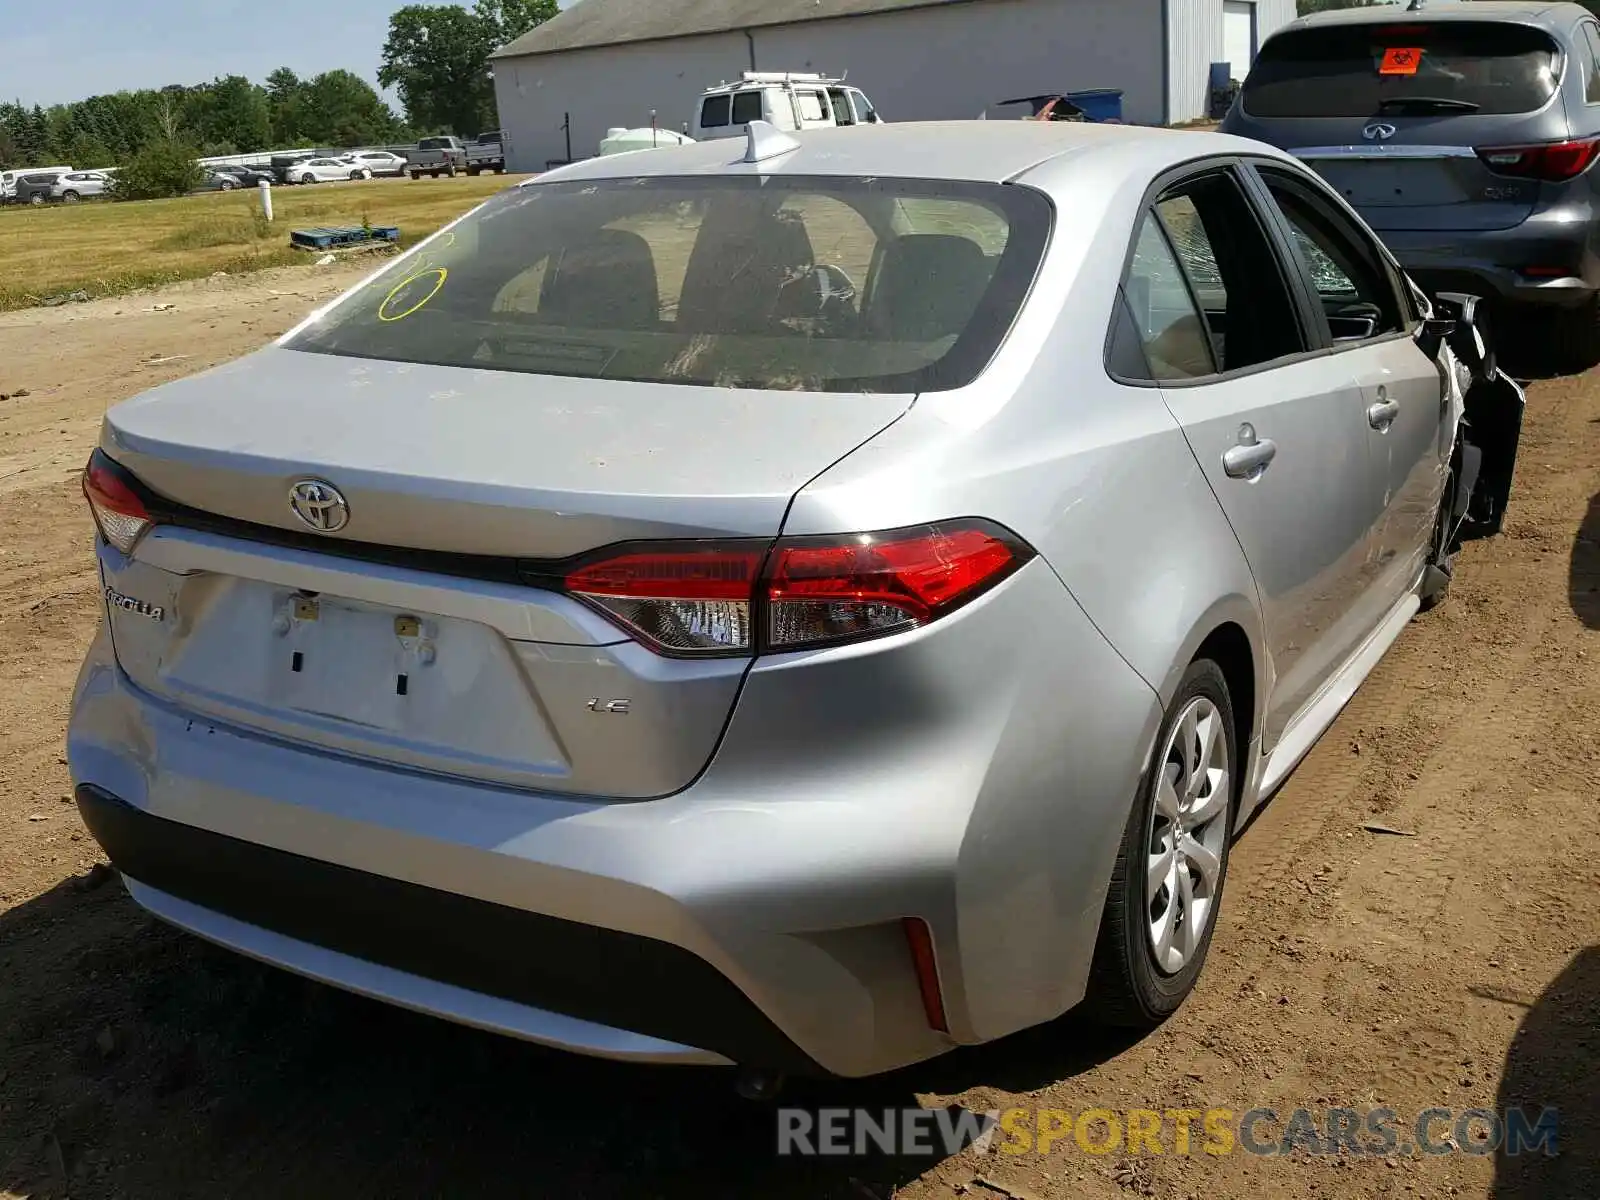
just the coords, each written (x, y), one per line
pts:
(810, 104)
(1203, 291)
(1494, 68)
(714, 112)
(747, 107)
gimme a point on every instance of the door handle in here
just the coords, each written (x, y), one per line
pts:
(1249, 458)
(1382, 414)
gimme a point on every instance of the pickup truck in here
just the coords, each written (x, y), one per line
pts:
(486, 152)
(436, 156)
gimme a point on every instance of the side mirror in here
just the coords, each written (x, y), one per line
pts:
(1466, 339)
(1434, 333)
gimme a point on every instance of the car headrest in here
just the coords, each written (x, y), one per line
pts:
(927, 287)
(606, 281)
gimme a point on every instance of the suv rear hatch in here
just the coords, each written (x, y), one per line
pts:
(411, 634)
(1420, 124)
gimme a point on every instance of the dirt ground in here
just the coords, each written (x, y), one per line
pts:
(1454, 962)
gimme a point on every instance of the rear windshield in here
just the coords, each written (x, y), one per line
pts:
(784, 283)
(1433, 67)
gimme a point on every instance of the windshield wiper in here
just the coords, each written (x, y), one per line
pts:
(1443, 103)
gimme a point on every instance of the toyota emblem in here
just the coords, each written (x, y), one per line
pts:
(1378, 131)
(319, 505)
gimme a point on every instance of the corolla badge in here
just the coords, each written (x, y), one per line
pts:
(319, 505)
(1378, 131)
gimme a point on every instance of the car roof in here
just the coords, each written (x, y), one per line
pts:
(1557, 16)
(966, 151)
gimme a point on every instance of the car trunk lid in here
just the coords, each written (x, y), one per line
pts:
(410, 635)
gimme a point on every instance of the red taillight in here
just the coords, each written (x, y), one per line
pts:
(118, 512)
(684, 599)
(840, 589)
(696, 599)
(1553, 162)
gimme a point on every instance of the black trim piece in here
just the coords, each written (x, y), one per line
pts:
(617, 979)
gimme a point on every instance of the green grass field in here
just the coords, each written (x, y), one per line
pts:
(106, 249)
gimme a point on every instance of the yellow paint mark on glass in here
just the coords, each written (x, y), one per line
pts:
(440, 275)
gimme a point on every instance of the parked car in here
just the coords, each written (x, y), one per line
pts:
(36, 188)
(328, 170)
(486, 152)
(1463, 134)
(377, 162)
(620, 141)
(249, 176)
(922, 701)
(436, 156)
(80, 185)
(218, 181)
(8, 180)
(283, 165)
(785, 99)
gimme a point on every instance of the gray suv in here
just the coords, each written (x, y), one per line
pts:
(1465, 135)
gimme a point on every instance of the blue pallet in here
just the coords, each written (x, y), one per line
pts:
(327, 239)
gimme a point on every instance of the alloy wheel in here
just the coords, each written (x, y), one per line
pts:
(1188, 835)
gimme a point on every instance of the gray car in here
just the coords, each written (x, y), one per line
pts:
(1465, 135)
(806, 604)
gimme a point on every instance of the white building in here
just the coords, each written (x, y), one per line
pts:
(607, 63)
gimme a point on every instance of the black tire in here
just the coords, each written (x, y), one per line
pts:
(1572, 337)
(473, 171)
(225, 186)
(1126, 986)
(308, 178)
(70, 197)
(416, 174)
(36, 198)
(450, 170)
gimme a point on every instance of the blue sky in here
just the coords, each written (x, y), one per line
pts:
(53, 51)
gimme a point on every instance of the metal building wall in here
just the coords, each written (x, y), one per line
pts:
(944, 63)
(1195, 41)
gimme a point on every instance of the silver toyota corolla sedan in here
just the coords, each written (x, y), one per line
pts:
(807, 603)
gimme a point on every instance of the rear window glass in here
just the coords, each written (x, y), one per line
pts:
(746, 107)
(1424, 67)
(786, 283)
(714, 112)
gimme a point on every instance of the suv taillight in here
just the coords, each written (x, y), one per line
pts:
(118, 512)
(1553, 162)
(744, 597)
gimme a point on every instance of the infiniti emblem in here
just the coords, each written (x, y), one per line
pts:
(319, 505)
(1378, 131)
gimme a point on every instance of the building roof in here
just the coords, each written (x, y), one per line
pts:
(593, 23)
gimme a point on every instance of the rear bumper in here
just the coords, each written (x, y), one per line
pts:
(1494, 263)
(438, 950)
(754, 917)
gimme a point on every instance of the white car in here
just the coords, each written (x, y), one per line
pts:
(377, 162)
(79, 185)
(327, 170)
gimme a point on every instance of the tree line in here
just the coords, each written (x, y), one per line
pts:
(435, 57)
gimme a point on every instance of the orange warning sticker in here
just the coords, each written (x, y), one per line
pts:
(1400, 60)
